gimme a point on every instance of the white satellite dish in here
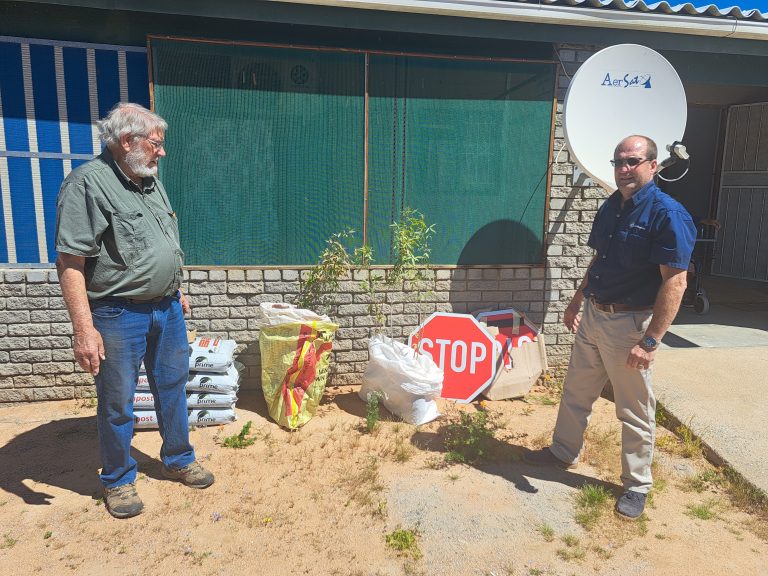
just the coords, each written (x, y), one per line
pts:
(621, 90)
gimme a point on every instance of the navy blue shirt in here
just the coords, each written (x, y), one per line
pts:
(651, 228)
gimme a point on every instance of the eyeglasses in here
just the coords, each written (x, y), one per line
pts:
(631, 162)
(156, 144)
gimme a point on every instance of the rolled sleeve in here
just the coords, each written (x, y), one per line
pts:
(79, 221)
(674, 242)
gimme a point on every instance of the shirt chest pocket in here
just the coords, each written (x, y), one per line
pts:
(131, 234)
(170, 224)
(636, 249)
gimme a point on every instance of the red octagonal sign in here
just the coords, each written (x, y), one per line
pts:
(462, 348)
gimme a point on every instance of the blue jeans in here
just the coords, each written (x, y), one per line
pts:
(154, 333)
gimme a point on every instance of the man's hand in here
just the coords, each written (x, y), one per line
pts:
(184, 301)
(572, 315)
(89, 350)
(640, 358)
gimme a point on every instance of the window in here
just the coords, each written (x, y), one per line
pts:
(267, 149)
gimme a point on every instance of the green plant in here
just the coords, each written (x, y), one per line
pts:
(591, 502)
(604, 552)
(691, 444)
(685, 444)
(705, 480)
(547, 532)
(364, 485)
(47, 534)
(411, 238)
(402, 451)
(404, 541)
(572, 551)
(410, 250)
(541, 399)
(372, 411)
(323, 279)
(8, 542)
(467, 440)
(242, 439)
(703, 511)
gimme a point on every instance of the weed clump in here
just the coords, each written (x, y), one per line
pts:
(591, 502)
(404, 542)
(242, 439)
(467, 440)
(372, 411)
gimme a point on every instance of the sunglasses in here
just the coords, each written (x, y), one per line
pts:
(631, 162)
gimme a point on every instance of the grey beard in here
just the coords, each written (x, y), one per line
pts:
(136, 161)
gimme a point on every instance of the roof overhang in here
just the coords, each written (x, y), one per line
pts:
(562, 16)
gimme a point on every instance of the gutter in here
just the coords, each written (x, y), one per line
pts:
(562, 16)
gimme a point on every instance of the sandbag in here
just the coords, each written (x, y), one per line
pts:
(408, 382)
(295, 359)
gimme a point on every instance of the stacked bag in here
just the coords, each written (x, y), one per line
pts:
(214, 379)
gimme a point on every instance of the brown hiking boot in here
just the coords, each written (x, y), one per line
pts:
(194, 475)
(123, 501)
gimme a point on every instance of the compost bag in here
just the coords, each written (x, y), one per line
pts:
(295, 358)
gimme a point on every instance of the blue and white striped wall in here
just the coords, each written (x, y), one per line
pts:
(51, 96)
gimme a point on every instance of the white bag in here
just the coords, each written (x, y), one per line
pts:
(274, 313)
(146, 401)
(220, 383)
(207, 417)
(211, 354)
(408, 381)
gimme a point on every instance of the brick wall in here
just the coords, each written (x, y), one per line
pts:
(36, 360)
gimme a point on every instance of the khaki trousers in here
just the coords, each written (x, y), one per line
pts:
(599, 355)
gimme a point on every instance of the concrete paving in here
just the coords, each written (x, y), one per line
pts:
(712, 374)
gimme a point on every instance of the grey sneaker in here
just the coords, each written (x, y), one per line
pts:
(631, 505)
(194, 475)
(544, 457)
(123, 501)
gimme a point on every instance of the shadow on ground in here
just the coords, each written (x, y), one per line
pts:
(62, 453)
(506, 461)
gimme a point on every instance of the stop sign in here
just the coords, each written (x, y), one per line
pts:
(462, 348)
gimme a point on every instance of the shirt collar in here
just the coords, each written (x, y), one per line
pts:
(148, 183)
(637, 198)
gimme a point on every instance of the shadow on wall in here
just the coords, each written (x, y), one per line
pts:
(499, 243)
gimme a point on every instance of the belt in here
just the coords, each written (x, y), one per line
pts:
(618, 307)
(148, 301)
(138, 301)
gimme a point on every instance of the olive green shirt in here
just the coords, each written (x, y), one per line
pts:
(128, 234)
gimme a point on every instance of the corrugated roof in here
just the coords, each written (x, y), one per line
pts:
(686, 9)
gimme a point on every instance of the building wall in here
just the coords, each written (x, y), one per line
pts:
(37, 363)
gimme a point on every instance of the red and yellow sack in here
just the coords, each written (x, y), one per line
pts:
(295, 359)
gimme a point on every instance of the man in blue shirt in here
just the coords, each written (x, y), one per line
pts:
(643, 240)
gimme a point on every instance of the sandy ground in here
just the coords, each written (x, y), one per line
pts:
(322, 500)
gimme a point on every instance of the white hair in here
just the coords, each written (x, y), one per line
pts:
(128, 118)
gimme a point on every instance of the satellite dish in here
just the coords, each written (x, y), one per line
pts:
(621, 90)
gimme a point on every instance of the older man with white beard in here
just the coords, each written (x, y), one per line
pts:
(119, 263)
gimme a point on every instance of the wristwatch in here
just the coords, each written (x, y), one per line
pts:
(649, 343)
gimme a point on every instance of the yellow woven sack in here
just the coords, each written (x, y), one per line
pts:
(294, 369)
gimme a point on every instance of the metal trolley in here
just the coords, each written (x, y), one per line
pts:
(696, 296)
